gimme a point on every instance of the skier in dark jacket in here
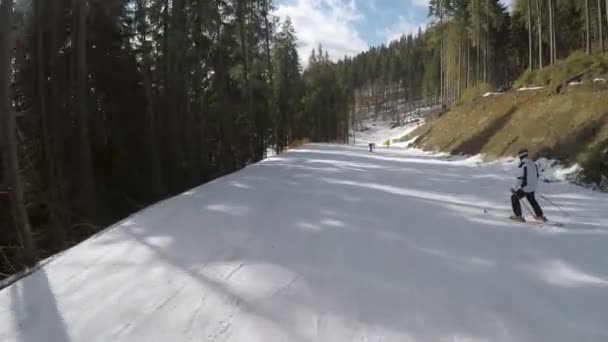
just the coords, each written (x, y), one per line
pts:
(526, 185)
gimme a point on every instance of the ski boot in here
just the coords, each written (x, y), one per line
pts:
(517, 218)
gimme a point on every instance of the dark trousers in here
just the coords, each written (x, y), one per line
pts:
(517, 196)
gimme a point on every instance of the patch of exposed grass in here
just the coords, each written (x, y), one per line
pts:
(297, 143)
(572, 127)
(578, 65)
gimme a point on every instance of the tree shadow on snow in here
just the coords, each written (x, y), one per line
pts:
(386, 264)
(378, 253)
(36, 314)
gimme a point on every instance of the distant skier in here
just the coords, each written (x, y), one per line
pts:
(526, 185)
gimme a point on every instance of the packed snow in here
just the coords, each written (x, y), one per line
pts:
(377, 132)
(332, 243)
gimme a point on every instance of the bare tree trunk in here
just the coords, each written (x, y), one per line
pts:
(448, 76)
(152, 128)
(56, 102)
(540, 34)
(169, 155)
(86, 174)
(241, 12)
(587, 28)
(551, 47)
(459, 85)
(485, 57)
(554, 38)
(227, 162)
(600, 25)
(175, 85)
(478, 54)
(59, 234)
(441, 52)
(9, 126)
(159, 188)
(441, 89)
(468, 64)
(267, 35)
(530, 48)
(486, 43)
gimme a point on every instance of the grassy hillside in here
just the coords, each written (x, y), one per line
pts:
(571, 127)
(577, 67)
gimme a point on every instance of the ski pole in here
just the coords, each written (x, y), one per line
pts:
(550, 202)
(553, 204)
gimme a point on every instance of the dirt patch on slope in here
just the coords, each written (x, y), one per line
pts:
(572, 127)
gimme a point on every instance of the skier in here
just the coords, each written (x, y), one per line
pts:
(526, 185)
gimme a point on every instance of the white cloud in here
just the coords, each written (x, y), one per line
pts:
(373, 6)
(326, 22)
(421, 3)
(401, 27)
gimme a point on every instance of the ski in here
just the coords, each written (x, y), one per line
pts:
(535, 222)
(531, 221)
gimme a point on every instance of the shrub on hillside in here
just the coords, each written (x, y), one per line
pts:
(595, 164)
(577, 64)
(474, 92)
(525, 79)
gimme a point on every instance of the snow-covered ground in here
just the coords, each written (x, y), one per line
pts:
(332, 243)
(378, 132)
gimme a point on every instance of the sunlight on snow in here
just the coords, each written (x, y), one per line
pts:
(234, 210)
(559, 273)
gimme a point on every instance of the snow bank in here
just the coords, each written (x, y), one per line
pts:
(378, 132)
(529, 88)
(554, 171)
(490, 94)
(551, 170)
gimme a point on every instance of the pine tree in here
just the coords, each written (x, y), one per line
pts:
(287, 70)
(8, 135)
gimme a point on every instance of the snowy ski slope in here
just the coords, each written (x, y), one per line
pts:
(331, 243)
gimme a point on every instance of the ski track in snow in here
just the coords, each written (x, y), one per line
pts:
(332, 243)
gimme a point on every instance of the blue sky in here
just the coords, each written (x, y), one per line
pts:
(346, 27)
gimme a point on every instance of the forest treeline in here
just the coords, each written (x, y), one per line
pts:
(107, 106)
(478, 43)
(110, 105)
